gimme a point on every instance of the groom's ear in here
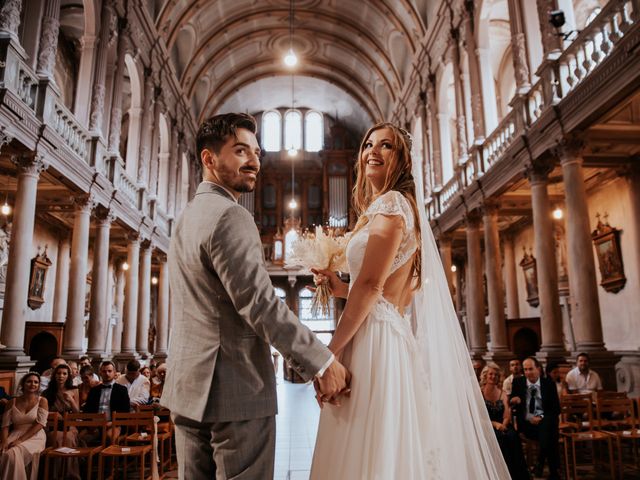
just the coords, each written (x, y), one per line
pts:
(208, 158)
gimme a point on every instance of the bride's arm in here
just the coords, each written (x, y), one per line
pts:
(385, 236)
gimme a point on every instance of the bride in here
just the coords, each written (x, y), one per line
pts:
(415, 410)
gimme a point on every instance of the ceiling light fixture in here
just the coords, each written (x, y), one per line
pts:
(557, 213)
(125, 266)
(5, 209)
(291, 59)
(154, 280)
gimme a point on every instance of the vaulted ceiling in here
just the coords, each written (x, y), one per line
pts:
(354, 55)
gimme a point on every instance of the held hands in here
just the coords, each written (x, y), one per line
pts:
(334, 382)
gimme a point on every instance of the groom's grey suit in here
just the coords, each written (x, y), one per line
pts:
(220, 383)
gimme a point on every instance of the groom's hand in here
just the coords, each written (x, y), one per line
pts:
(333, 383)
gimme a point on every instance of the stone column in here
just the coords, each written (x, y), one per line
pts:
(116, 345)
(426, 153)
(633, 178)
(144, 296)
(444, 242)
(546, 267)
(582, 269)
(18, 267)
(10, 20)
(474, 74)
(62, 279)
(511, 281)
(475, 294)
(163, 310)
(146, 130)
(115, 126)
(519, 47)
(108, 29)
(436, 151)
(128, 350)
(495, 293)
(174, 161)
(490, 105)
(99, 313)
(551, 43)
(74, 328)
(49, 39)
(154, 166)
(461, 122)
(84, 93)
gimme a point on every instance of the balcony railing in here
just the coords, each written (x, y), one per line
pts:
(125, 185)
(72, 133)
(558, 78)
(161, 221)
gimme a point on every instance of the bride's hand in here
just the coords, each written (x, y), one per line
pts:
(326, 277)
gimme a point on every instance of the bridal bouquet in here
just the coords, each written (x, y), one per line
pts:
(319, 250)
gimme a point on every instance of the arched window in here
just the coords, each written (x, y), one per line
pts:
(322, 325)
(293, 130)
(313, 132)
(271, 131)
(281, 294)
(290, 237)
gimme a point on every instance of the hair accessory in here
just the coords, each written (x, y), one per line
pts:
(407, 137)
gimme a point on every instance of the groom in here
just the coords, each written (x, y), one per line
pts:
(220, 384)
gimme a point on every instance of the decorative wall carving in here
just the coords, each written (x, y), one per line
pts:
(528, 264)
(10, 16)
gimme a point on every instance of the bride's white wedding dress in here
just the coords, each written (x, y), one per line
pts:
(379, 431)
(415, 411)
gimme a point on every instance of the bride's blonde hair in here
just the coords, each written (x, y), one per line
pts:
(399, 178)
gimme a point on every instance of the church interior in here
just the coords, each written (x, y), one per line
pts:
(524, 114)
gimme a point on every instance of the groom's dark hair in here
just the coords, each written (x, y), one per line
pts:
(215, 131)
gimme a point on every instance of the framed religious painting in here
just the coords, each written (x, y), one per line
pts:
(528, 264)
(606, 240)
(39, 266)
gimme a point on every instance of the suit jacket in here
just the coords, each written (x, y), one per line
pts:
(119, 400)
(550, 400)
(225, 315)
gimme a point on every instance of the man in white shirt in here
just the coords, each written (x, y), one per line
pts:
(515, 368)
(138, 385)
(582, 379)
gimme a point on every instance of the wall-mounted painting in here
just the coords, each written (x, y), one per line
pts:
(606, 239)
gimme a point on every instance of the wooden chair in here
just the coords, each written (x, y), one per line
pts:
(96, 421)
(623, 429)
(165, 434)
(614, 413)
(135, 423)
(574, 422)
(586, 433)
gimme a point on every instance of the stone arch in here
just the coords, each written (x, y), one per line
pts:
(200, 95)
(163, 159)
(182, 49)
(135, 75)
(184, 181)
(447, 118)
(400, 57)
(505, 84)
(42, 347)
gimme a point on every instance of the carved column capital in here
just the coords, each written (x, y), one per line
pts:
(84, 202)
(103, 215)
(491, 206)
(569, 149)
(32, 164)
(5, 137)
(538, 171)
(133, 237)
(472, 218)
(10, 16)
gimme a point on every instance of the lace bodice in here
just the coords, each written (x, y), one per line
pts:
(391, 203)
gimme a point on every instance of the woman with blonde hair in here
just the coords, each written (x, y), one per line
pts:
(406, 417)
(497, 403)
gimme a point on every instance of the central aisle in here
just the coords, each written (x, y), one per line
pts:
(296, 428)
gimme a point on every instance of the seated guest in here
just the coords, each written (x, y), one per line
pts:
(146, 371)
(137, 385)
(107, 397)
(46, 375)
(515, 369)
(23, 437)
(85, 360)
(537, 412)
(478, 365)
(157, 382)
(497, 404)
(582, 379)
(4, 399)
(63, 398)
(75, 373)
(553, 372)
(89, 381)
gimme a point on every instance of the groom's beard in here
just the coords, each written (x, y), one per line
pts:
(238, 182)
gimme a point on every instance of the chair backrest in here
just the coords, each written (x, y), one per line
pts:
(135, 420)
(145, 408)
(610, 394)
(52, 421)
(572, 408)
(87, 420)
(620, 406)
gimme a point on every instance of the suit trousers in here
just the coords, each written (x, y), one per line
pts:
(243, 450)
(546, 432)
